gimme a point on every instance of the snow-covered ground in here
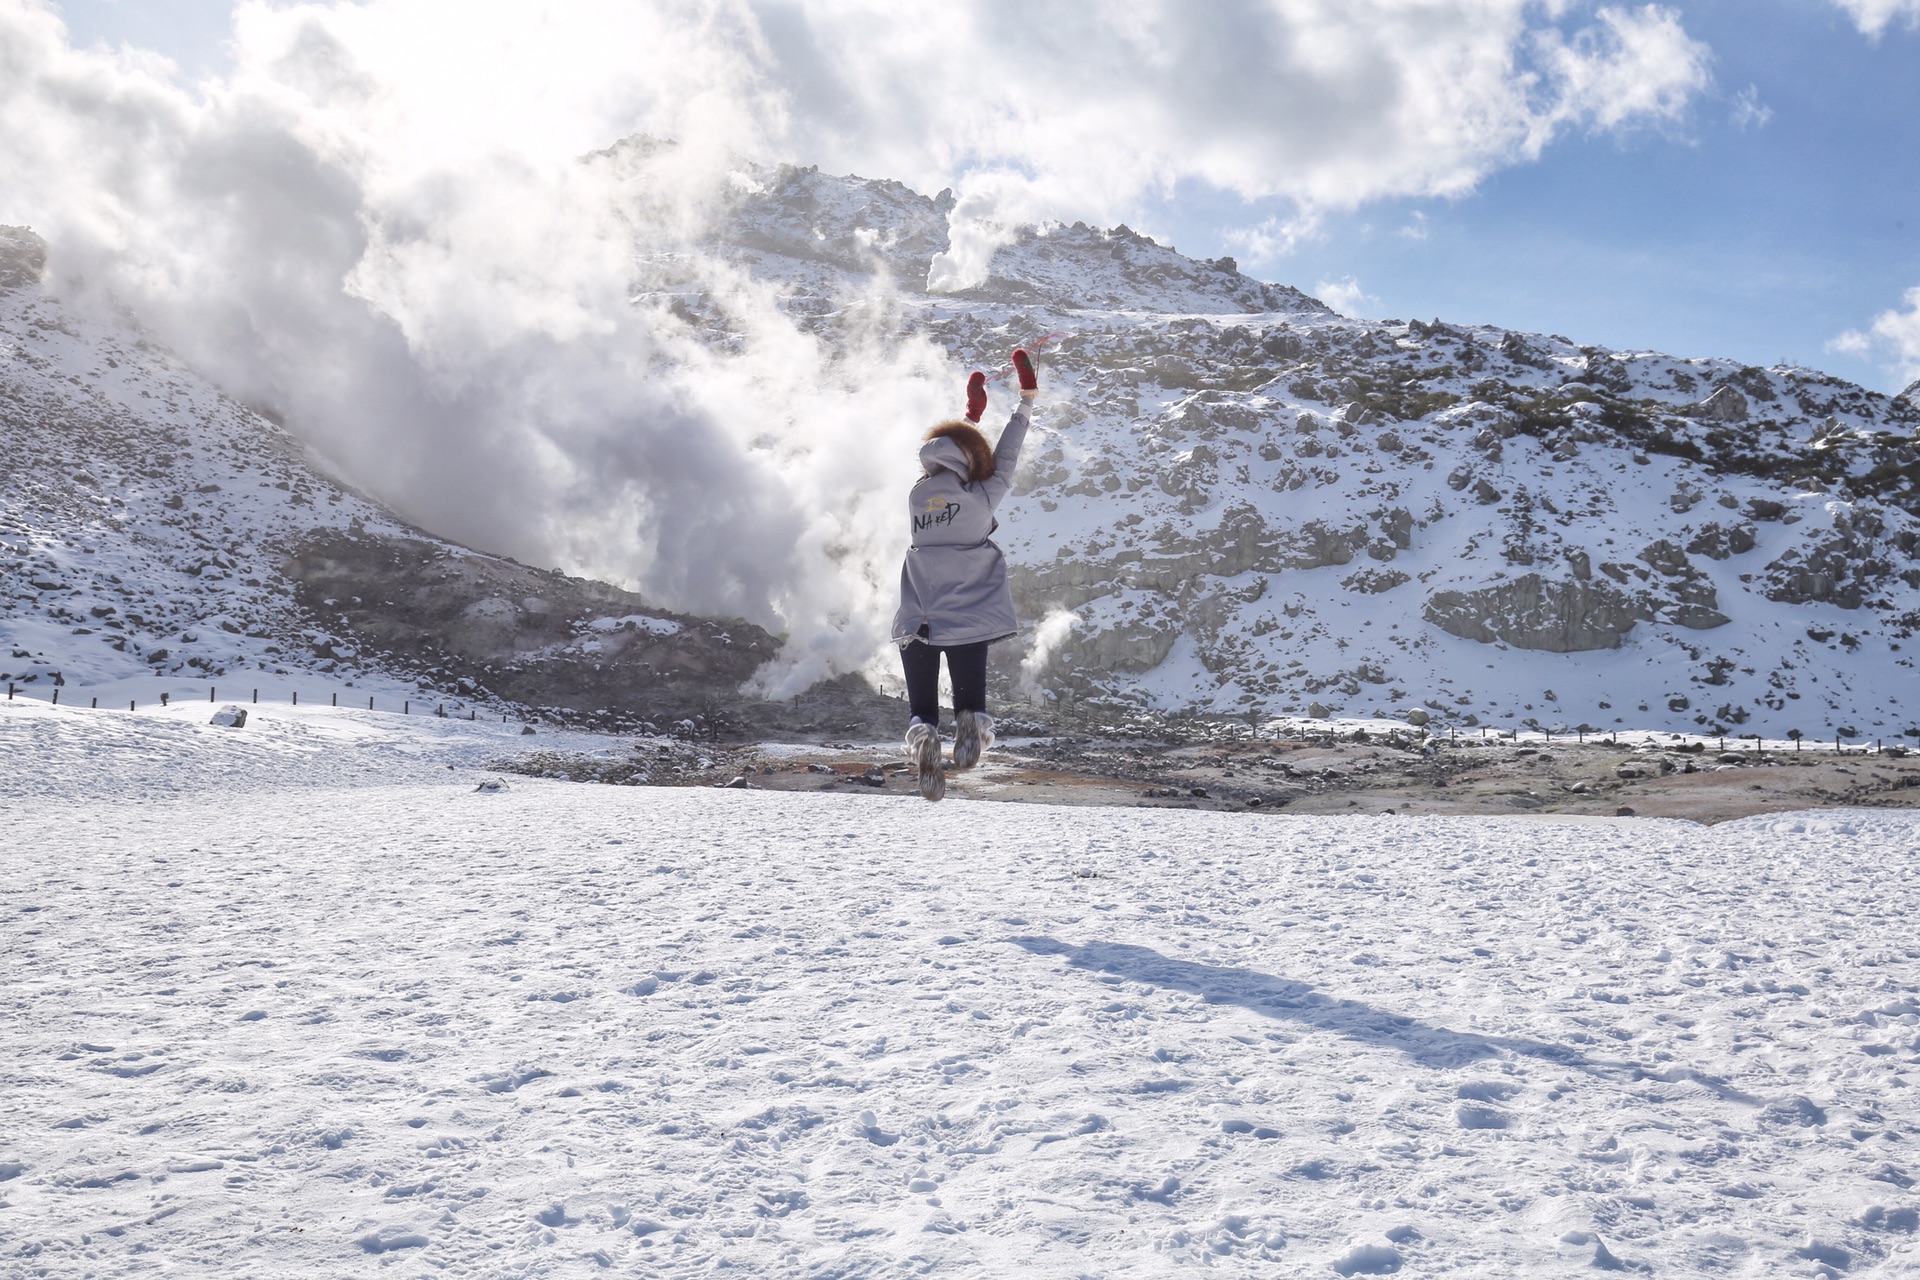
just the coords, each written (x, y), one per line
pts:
(297, 1000)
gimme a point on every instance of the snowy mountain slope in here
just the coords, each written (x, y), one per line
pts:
(151, 529)
(1235, 501)
(1240, 501)
(278, 1003)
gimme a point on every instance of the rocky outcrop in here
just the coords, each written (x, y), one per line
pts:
(1131, 647)
(1722, 542)
(1845, 568)
(1695, 603)
(1841, 571)
(528, 635)
(1374, 581)
(1532, 612)
(1724, 405)
(23, 258)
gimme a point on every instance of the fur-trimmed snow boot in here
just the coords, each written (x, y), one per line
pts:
(972, 735)
(923, 753)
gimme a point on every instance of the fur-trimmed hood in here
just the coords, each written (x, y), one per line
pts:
(966, 452)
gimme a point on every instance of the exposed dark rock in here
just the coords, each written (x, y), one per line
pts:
(522, 634)
(1843, 570)
(1724, 405)
(1532, 612)
(23, 258)
(1720, 542)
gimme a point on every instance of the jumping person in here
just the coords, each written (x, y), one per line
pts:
(954, 598)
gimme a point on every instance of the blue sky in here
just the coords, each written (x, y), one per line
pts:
(1715, 237)
(1778, 211)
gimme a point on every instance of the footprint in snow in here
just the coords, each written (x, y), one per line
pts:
(869, 1128)
(1368, 1260)
(389, 1239)
(1471, 1117)
(1486, 1091)
(1247, 1126)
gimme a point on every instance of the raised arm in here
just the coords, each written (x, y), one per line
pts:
(1006, 453)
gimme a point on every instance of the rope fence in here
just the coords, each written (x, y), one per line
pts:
(167, 700)
(1795, 741)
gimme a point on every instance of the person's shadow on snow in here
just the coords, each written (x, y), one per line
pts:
(1273, 997)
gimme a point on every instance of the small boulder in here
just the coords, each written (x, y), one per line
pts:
(230, 717)
(1724, 405)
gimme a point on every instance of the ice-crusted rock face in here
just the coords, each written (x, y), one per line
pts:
(1247, 503)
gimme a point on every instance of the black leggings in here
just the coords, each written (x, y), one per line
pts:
(966, 667)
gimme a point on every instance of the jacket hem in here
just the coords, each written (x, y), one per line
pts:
(950, 642)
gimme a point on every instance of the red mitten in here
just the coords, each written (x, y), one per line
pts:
(1023, 365)
(976, 396)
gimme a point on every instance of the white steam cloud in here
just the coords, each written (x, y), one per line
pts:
(384, 225)
(1047, 639)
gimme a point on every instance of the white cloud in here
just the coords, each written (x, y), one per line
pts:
(1326, 104)
(1892, 340)
(1632, 65)
(1416, 228)
(1347, 297)
(1748, 111)
(379, 222)
(1273, 238)
(1874, 16)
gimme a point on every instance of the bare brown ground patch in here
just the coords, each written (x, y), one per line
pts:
(1270, 776)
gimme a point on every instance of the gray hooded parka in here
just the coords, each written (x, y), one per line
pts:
(954, 581)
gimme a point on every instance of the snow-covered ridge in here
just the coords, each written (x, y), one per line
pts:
(1235, 500)
(144, 517)
(1240, 501)
(154, 533)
